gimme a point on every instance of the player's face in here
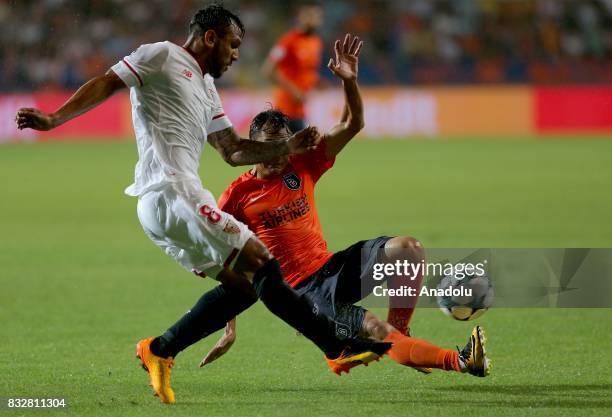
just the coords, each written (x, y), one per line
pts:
(277, 166)
(310, 18)
(225, 52)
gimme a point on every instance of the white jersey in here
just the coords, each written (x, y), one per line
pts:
(174, 107)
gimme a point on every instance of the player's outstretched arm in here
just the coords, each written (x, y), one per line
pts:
(345, 67)
(237, 151)
(223, 345)
(92, 93)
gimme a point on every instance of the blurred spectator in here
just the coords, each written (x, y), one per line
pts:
(293, 64)
(62, 43)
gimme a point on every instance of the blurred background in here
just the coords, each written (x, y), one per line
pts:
(486, 126)
(426, 47)
(411, 42)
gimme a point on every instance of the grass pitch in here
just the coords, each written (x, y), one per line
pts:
(81, 284)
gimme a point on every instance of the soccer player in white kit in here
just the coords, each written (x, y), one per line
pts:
(175, 109)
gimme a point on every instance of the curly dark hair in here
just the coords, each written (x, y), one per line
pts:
(272, 119)
(217, 18)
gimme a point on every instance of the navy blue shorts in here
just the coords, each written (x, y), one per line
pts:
(338, 285)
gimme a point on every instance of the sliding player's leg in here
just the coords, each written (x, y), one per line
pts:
(401, 309)
(327, 290)
(409, 351)
(347, 278)
(352, 321)
(414, 352)
(355, 274)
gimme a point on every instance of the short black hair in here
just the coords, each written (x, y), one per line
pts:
(215, 17)
(274, 121)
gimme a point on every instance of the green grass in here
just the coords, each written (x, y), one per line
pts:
(81, 284)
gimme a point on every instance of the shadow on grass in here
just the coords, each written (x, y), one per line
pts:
(537, 396)
(528, 389)
(594, 396)
(503, 396)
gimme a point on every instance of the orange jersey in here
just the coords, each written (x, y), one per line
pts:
(282, 213)
(297, 57)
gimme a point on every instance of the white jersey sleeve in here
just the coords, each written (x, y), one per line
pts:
(278, 53)
(138, 68)
(219, 119)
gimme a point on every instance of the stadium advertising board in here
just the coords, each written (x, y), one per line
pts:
(111, 120)
(493, 112)
(573, 109)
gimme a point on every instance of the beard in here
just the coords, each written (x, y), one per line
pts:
(215, 63)
(310, 30)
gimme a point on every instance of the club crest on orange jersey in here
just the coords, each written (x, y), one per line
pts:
(292, 181)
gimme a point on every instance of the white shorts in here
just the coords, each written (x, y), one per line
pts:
(198, 236)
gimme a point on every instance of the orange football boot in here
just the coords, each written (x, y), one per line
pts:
(159, 370)
(359, 352)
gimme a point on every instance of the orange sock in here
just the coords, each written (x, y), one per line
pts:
(400, 318)
(411, 351)
(401, 309)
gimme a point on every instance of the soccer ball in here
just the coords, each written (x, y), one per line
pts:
(465, 297)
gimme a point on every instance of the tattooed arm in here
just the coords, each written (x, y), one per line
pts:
(237, 151)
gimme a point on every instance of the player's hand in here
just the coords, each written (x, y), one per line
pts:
(223, 345)
(34, 119)
(305, 140)
(347, 57)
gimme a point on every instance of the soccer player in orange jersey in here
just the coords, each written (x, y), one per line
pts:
(276, 200)
(293, 64)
